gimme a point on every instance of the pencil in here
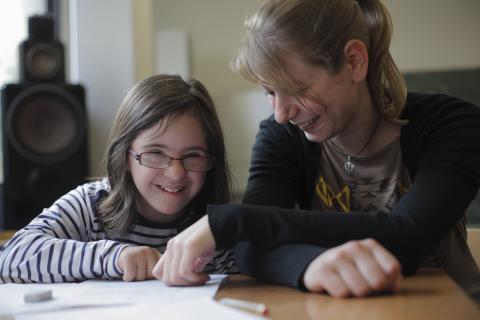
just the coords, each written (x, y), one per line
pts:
(258, 308)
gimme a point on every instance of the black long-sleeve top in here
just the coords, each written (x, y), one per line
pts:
(277, 233)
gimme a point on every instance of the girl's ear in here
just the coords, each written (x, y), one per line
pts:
(356, 54)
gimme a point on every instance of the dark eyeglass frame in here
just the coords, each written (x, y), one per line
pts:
(138, 157)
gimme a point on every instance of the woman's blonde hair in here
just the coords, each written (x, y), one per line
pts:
(318, 30)
(160, 99)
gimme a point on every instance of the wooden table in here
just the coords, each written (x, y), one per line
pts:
(430, 294)
(5, 235)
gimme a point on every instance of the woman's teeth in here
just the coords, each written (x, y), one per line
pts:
(305, 125)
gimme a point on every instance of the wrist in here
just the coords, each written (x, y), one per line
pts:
(120, 257)
(224, 226)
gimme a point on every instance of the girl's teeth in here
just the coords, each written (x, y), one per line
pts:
(171, 189)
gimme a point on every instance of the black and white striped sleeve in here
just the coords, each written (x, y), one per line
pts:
(222, 263)
(60, 245)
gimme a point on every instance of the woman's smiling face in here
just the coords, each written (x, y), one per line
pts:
(325, 104)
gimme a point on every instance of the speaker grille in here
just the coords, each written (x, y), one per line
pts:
(45, 124)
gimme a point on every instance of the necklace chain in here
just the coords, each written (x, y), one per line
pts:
(349, 166)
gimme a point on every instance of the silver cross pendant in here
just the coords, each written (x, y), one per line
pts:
(349, 167)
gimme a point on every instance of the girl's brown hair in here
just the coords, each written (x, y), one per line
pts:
(160, 99)
(319, 30)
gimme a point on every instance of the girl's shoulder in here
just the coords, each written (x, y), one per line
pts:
(99, 188)
(95, 190)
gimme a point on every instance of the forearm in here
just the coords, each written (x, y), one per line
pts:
(267, 227)
(35, 257)
(283, 265)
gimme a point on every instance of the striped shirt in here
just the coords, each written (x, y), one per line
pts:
(67, 242)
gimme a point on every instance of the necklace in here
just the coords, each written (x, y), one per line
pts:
(349, 166)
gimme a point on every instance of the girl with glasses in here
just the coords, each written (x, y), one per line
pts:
(165, 161)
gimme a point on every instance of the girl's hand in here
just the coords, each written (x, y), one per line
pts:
(137, 263)
(186, 256)
(356, 268)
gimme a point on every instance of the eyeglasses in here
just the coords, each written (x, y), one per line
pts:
(162, 161)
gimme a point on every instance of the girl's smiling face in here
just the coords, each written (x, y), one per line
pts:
(163, 194)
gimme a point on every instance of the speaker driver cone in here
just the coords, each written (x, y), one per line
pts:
(45, 124)
(43, 61)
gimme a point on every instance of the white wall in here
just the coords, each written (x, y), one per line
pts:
(240, 115)
(435, 34)
(102, 59)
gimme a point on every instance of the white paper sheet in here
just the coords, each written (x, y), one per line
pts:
(104, 299)
(198, 309)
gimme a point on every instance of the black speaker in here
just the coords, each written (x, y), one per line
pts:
(44, 129)
(41, 55)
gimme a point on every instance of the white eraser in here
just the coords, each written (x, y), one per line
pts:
(38, 295)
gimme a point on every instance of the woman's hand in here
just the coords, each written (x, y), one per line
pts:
(186, 255)
(137, 263)
(356, 268)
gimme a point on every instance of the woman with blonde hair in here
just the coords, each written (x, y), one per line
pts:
(347, 155)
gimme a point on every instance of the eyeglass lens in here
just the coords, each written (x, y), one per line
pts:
(161, 161)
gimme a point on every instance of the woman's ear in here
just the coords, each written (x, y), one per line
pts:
(356, 54)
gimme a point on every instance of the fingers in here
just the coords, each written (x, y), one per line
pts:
(151, 263)
(157, 271)
(179, 265)
(387, 261)
(334, 284)
(362, 271)
(127, 264)
(142, 272)
(340, 276)
(130, 271)
(189, 269)
(166, 259)
(166, 270)
(137, 263)
(186, 255)
(357, 268)
(201, 262)
(352, 279)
